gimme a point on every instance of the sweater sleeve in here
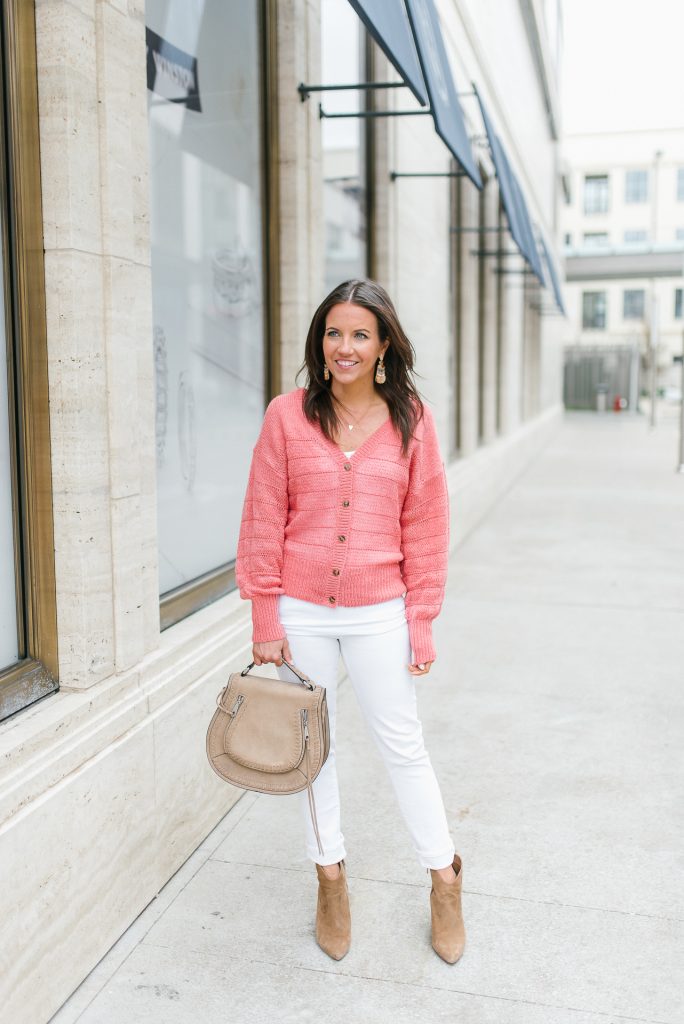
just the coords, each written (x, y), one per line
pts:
(425, 538)
(262, 529)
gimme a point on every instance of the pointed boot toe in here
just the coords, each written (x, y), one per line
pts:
(333, 917)
(448, 931)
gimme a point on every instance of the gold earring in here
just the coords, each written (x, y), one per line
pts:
(380, 376)
(326, 372)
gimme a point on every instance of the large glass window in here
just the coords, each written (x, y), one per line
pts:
(678, 304)
(636, 186)
(594, 310)
(204, 74)
(633, 301)
(9, 648)
(343, 62)
(636, 235)
(596, 193)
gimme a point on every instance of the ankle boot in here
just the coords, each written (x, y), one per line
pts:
(333, 919)
(448, 932)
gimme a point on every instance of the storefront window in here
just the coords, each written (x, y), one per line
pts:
(9, 652)
(344, 160)
(203, 77)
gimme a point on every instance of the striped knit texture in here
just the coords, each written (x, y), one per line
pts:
(334, 530)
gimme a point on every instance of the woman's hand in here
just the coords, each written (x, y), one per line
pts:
(270, 652)
(420, 670)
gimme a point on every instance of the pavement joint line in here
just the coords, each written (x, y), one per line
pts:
(158, 906)
(471, 892)
(674, 610)
(417, 985)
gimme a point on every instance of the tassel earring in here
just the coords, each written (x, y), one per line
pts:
(380, 376)
(326, 372)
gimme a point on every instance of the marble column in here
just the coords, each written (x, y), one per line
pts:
(468, 313)
(489, 312)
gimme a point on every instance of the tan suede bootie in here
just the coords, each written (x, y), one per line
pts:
(448, 931)
(333, 918)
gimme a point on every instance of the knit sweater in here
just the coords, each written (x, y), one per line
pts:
(325, 528)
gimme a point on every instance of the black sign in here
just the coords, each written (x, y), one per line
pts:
(171, 72)
(388, 23)
(446, 109)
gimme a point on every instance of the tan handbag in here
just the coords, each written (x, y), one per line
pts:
(270, 735)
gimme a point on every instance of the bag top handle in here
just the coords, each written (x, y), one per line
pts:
(300, 675)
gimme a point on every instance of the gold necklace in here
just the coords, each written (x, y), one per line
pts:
(357, 420)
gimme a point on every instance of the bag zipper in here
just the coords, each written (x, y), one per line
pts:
(236, 706)
(305, 723)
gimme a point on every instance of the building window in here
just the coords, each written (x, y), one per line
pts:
(636, 186)
(633, 304)
(679, 235)
(680, 183)
(28, 615)
(568, 238)
(595, 238)
(678, 304)
(636, 236)
(208, 286)
(596, 193)
(343, 43)
(594, 311)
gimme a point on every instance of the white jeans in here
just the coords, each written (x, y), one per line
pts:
(374, 643)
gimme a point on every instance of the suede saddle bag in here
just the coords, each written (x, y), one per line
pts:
(270, 735)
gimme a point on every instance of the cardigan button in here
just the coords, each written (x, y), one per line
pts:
(336, 572)
(341, 538)
(332, 600)
(347, 465)
(345, 504)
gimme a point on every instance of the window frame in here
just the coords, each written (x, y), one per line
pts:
(595, 327)
(627, 298)
(677, 311)
(633, 196)
(589, 209)
(35, 674)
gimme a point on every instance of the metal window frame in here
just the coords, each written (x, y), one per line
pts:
(35, 674)
(177, 604)
(595, 293)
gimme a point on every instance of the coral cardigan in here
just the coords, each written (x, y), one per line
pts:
(321, 527)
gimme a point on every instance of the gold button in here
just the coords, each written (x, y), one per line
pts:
(345, 504)
(341, 538)
(336, 572)
(332, 600)
(347, 466)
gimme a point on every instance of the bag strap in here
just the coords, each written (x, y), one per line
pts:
(300, 675)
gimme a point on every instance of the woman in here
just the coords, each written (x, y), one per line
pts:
(343, 550)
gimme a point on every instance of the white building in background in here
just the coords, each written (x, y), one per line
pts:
(622, 226)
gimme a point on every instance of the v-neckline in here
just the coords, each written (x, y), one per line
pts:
(363, 444)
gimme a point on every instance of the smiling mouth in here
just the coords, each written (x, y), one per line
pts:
(345, 363)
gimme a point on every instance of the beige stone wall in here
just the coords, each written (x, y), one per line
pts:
(93, 130)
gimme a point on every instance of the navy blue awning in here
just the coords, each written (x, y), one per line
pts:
(387, 22)
(512, 198)
(553, 274)
(444, 104)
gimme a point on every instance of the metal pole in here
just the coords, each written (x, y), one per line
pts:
(653, 353)
(680, 467)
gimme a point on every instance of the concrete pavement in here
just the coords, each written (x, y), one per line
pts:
(555, 721)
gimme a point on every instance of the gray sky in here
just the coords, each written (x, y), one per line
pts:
(623, 64)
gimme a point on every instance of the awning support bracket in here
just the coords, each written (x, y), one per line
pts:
(427, 174)
(305, 90)
(374, 113)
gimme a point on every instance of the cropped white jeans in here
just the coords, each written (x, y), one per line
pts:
(374, 643)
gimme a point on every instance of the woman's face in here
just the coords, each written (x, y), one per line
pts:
(351, 342)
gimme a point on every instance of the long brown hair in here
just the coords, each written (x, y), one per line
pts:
(399, 391)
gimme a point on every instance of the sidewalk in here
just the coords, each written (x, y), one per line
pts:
(554, 716)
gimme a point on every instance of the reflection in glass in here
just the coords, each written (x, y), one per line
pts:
(344, 191)
(9, 651)
(203, 69)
